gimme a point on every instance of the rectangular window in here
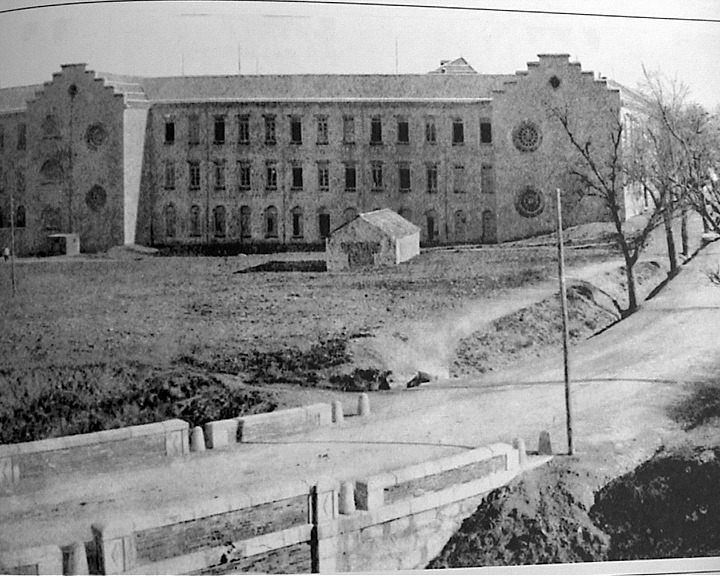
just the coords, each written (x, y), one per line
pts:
(432, 178)
(430, 131)
(295, 130)
(350, 177)
(487, 179)
(194, 130)
(377, 176)
(403, 134)
(322, 130)
(485, 133)
(376, 130)
(194, 175)
(219, 174)
(459, 179)
(244, 175)
(323, 177)
(22, 139)
(349, 130)
(271, 176)
(270, 130)
(458, 134)
(243, 129)
(404, 177)
(169, 131)
(219, 130)
(169, 175)
(297, 177)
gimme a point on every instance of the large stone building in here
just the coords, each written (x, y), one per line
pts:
(466, 157)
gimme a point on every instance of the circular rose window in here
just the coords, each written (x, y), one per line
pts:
(529, 203)
(96, 198)
(95, 136)
(527, 137)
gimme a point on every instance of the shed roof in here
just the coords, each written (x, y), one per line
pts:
(389, 222)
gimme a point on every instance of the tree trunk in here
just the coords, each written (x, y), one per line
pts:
(672, 256)
(684, 237)
(632, 297)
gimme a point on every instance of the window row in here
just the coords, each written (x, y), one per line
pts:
(249, 177)
(20, 137)
(219, 227)
(269, 226)
(19, 222)
(296, 127)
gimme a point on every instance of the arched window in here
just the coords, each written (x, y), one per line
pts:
(323, 223)
(271, 222)
(349, 215)
(460, 226)
(219, 221)
(51, 171)
(245, 222)
(431, 223)
(170, 221)
(195, 227)
(20, 217)
(297, 222)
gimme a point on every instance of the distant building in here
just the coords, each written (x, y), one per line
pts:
(379, 238)
(467, 157)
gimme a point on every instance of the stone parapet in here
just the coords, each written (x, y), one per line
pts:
(97, 451)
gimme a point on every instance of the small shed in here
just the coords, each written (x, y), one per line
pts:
(64, 244)
(378, 238)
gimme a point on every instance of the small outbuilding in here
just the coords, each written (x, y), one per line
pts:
(379, 238)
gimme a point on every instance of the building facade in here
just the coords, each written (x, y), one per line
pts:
(287, 159)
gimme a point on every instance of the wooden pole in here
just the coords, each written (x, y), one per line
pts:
(12, 242)
(566, 335)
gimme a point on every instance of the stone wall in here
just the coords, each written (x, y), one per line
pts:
(31, 464)
(267, 531)
(402, 519)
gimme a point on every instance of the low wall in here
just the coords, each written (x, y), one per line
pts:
(268, 531)
(404, 518)
(28, 463)
(267, 426)
(38, 560)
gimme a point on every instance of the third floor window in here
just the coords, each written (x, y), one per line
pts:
(376, 130)
(295, 130)
(219, 130)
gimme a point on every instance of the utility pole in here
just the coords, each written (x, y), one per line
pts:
(566, 335)
(12, 242)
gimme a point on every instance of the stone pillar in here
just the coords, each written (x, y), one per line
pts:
(519, 445)
(77, 560)
(347, 498)
(337, 412)
(324, 520)
(115, 549)
(363, 405)
(197, 440)
(544, 444)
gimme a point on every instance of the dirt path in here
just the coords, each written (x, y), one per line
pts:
(623, 381)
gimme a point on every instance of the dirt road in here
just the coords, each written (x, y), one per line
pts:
(623, 380)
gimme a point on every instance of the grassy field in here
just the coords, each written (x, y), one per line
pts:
(91, 334)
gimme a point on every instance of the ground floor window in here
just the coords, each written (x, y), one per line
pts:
(324, 225)
(271, 222)
(219, 221)
(297, 222)
(170, 221)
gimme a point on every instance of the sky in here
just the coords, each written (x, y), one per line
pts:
(165, 38)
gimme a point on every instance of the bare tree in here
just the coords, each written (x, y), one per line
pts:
(688, 148)
(604, 171)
